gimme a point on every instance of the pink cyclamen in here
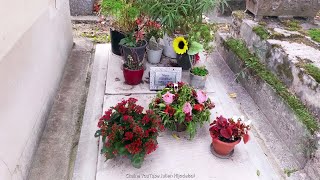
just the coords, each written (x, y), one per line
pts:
(201, 96)
(168, 98)
(187, 108)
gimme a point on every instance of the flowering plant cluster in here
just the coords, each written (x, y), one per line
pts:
(229, 130)
(127, 131)
(182, 105)
(145, 29)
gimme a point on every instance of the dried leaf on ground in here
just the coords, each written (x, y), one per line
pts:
(176, 136)
(233, 95)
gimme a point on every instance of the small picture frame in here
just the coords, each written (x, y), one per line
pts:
(161, 76)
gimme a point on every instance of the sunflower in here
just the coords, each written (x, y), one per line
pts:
(180, 45)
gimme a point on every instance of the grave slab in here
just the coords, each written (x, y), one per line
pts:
(176, 157)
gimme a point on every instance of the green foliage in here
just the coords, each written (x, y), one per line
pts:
(123, 12)
(288, 172)
(312, 70)
(252, 62)
(195, 48)
(202, 33)
(261, 31)
(314, 34)
(178, 16)
(199, 71)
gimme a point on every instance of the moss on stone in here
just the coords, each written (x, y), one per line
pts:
(252, 62)
(239, 14)
(292, 25)
(261, 31)
(314, 34)
(312, 70)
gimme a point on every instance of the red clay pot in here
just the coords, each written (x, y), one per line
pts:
(133, 77)
(223, 148)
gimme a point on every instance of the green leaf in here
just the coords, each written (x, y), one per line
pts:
(195, 48)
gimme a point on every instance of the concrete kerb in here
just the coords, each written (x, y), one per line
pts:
(87, 154)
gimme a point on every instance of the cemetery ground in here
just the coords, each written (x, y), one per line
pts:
(93, 82)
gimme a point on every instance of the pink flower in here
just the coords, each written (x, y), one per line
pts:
(168, 98)
(187, 108)
(201, 96)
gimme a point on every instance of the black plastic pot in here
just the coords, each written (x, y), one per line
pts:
(137, 53)
(116, 37)
(185, 61)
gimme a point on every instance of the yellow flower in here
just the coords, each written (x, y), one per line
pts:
(180, 45)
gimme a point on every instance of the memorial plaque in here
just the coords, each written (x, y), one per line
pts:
(161, 76)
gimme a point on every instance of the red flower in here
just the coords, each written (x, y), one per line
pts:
(180, 84)
(138, 130)
(188, 117)
(169, 110)
(138, 21)
(150, 146)
(197, 57)
(138, 109)
(128, 136)
(134, 147)
(122, 109)
(145, 119)
(228, 129)
(198, 107)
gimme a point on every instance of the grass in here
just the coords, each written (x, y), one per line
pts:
(292, 25)
(312, 70)
(252, 62)
(314, 34)
(261, 31)
(97, 37)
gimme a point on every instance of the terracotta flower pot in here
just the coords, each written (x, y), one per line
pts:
(223, 148)
(133, 77)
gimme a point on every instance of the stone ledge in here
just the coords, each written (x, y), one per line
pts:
(283, 57)
(292, 133)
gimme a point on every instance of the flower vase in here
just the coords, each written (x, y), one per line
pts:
(180, 127)
(185, 61)
(168, 47)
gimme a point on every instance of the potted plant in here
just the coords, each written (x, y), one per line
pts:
(127, 131)
(154, 51)
(123, 15)
(227, 133)
(182, 108)
(133, 70)
(188, 52)
(134, 45)
(198, 77)
(177, 17)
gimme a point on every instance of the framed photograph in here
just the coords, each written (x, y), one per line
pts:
(161, 76)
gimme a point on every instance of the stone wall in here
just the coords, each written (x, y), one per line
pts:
(30, 72)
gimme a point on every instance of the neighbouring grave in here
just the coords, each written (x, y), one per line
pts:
(81, 7)
(277, 61)
(283, 8)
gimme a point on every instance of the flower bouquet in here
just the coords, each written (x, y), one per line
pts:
(227, 133)
(127, 131)
(179, 105)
